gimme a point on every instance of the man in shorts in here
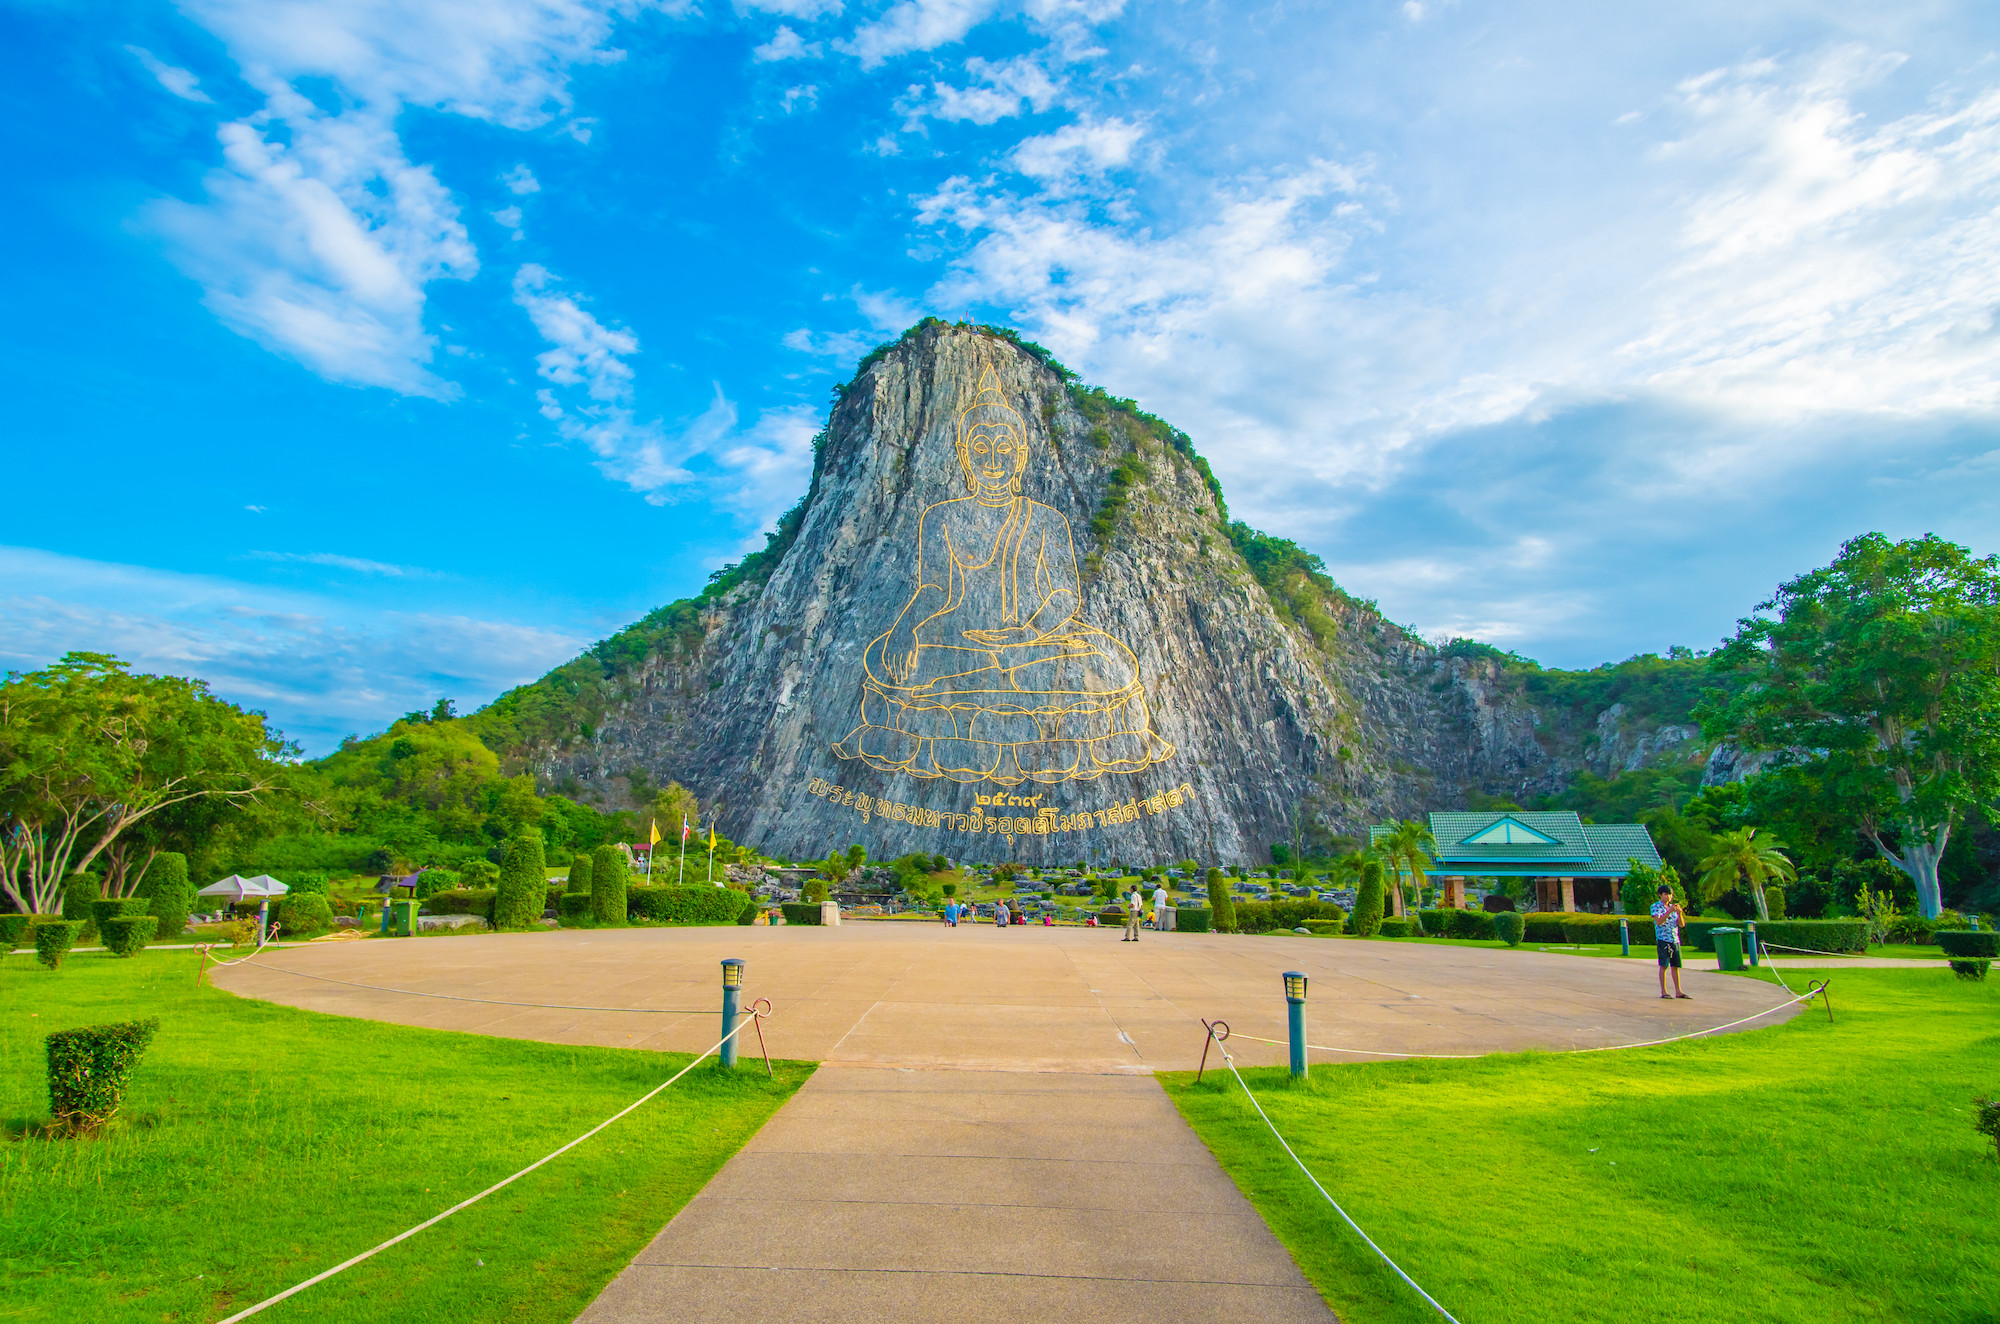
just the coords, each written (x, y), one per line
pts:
(1667, 920)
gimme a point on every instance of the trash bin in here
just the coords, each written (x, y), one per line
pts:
(405, 922)
(1728, 948)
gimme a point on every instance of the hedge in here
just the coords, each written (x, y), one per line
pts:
(1508, 925)
(54, 938)
(1603, 928)
(1469, 924)
(89, 1069)
(1968, 944)
(1971, 969)
(1265, 916)
(800, 912)
(574, 907)
(686, 905)
(12, 929)
(118, 908)
(1543, 926)
(1811, 935)
(1193, 919)
(126, 934)
(465, 901)
(1328, 928)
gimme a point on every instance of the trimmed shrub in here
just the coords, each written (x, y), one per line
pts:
(750, 911)
(12, 929)
(524, 884)
(1469, 924)
(1509, 926)
(1395, 928)
(1971, 969)
(1192, 920)
(1222, 910)
(1435, 921)
(686, 905)
(607, 885)
(89, 1069)
(79, 890)
(116, 908)
(1593, 928)
(1366, 921)
(1328, 928)
(1544, 926)
(465, 901)
(305, 915)
(54, 938)
(1774, 901)
(126, 934)
(579, 875)
(1807, 935)
(168, 893)
(1971, 944)
(574, 907)
(800, 912)
(432, 881)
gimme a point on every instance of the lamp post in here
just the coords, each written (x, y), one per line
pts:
(1624, 939)
(732, 986)
(1295, 1008)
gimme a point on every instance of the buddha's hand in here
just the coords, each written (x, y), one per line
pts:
(1012, 634)
(900, 654)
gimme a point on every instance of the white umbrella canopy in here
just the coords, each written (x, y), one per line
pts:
(239, 889)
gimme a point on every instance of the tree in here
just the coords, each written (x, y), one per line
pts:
(1222, 910)
(1367, 919)
(672, 806)
(89, 751)
(1407, 852)
(524, 881)
(1741, 858)
(607, 885)
(1878, 677)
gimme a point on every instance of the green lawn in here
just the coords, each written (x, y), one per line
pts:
(1805, 1172)
(262, 1144)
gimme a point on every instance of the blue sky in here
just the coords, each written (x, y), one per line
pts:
(362, 352)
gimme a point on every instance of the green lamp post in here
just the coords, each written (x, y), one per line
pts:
(732, 988)
(1295, 1008)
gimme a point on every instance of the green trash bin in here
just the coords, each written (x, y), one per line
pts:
(1728, 948)
(405, 922)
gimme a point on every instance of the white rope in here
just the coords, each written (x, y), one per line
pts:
(268, 1302)
(490, 1002)
(1814, 951)
(1608, 1048)
(1229, 1061)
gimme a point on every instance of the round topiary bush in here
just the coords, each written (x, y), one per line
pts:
(305, 915)
(1509, 926)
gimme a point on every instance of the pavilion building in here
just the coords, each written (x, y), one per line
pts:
(1575, 865)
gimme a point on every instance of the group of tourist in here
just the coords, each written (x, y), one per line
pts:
(1006, 914)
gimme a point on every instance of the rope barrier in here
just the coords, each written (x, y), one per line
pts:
(491, 1002)
(1818, 989)
(1812, 951)
(754, 1015)
(1229, 1061)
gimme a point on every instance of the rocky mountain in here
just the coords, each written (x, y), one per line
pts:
(1012, 619)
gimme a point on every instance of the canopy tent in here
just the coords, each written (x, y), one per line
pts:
(245, 889)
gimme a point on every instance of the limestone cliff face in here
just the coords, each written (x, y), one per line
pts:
(1170, 707)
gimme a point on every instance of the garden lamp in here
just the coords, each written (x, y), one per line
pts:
(1295, 1008)
(732, 987)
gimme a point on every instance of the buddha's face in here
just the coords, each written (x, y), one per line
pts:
(993, 452)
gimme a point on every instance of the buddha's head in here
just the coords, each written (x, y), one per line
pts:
(992, 442)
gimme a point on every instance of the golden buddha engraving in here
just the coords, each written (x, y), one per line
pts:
(987, 674)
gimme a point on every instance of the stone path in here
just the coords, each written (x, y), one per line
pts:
(985, 1141)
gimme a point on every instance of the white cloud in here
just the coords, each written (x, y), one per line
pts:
(319, 235)
(510, 217)
(885, 310)
(833, 344)
(799, 9)
(785, 44)
(521, 181)
(915, 25)
(807, 95)
(339, 562)
(180, 82)
(320, 666)
(1000, 90)
(1089, 147)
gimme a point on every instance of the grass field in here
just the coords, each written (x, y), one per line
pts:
(1805, 1172)
(261, 1144)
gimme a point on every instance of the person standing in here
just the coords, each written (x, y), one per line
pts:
(1160, 910)
(1667, 921)
(1134, 904)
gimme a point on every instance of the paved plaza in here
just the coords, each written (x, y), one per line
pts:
(985, 1141)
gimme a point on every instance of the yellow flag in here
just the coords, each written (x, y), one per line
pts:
(711, 836)
(656, 832)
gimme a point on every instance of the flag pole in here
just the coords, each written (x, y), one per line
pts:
(710, 877)
(681, 876)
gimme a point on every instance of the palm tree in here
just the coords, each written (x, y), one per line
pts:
(1740, 857)
(1407, 851)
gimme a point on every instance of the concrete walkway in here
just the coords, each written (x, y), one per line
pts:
(968, 1196)
(985, 1141)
